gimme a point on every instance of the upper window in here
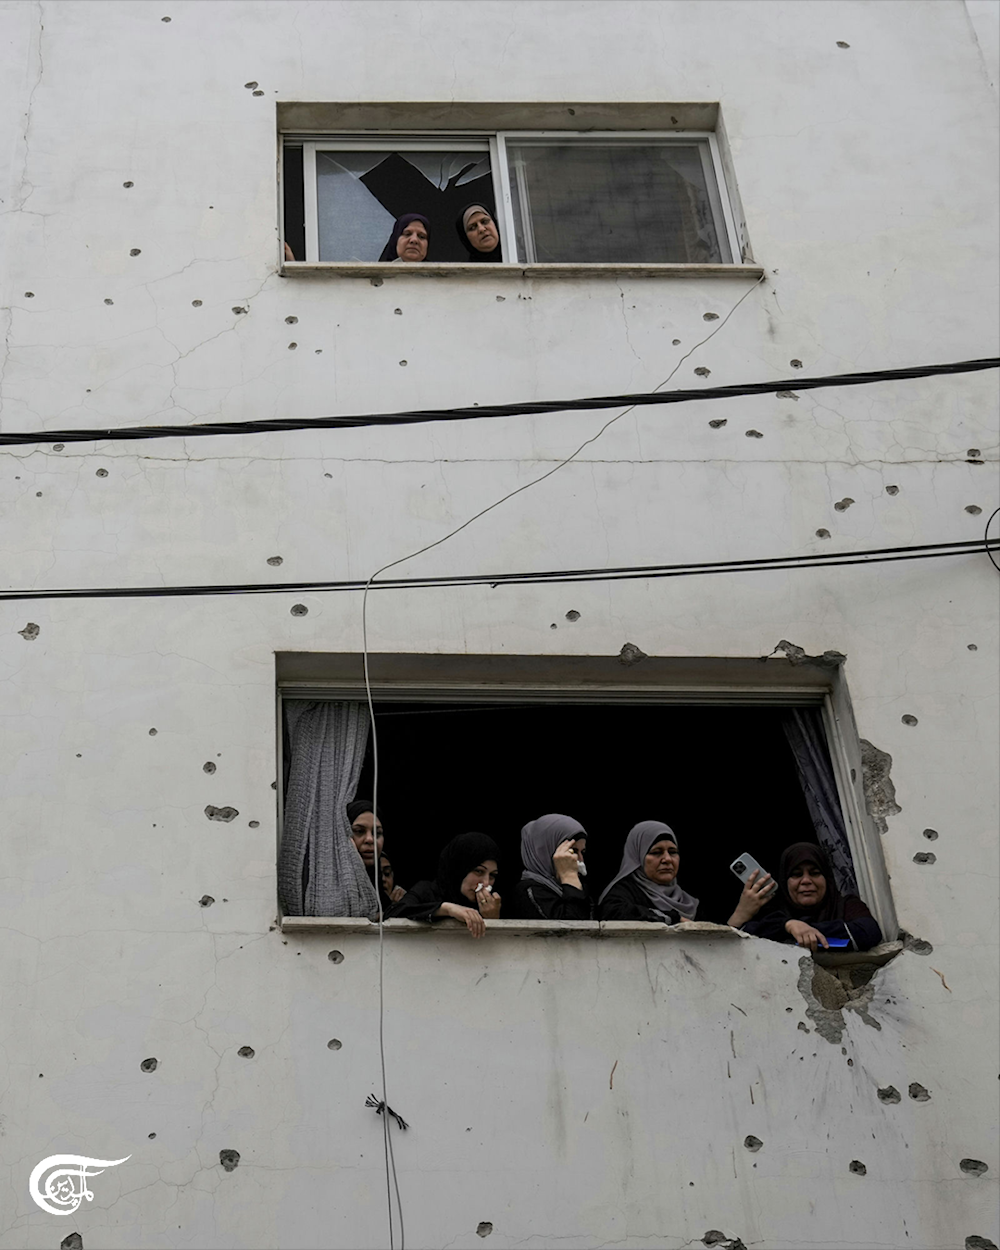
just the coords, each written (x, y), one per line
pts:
(556, 197)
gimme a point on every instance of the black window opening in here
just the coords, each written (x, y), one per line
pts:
(724, 778)
(556, 198)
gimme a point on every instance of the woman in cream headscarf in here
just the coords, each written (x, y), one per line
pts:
(646, 885)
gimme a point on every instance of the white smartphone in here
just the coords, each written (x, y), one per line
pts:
(744, 865)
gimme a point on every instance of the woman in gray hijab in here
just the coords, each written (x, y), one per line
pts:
(552, 851)
(646, 886)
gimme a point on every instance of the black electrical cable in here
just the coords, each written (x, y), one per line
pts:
(879, 555)
(491, 410)
(986, 539)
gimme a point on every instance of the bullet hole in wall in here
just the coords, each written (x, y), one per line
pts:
(206, 900)
(128, 185)
(841, 44)
(299, 609)
(796, 364)
(164, 19)
(972, 647)
(403, 363)
(753, 434)
(925, 857)
(291, 321)
(975, 1242)
(973, 453)
(710, 316)
(821, 533)
(702, 372)
(889, 1094)
(335, 957)
(149, 1065)
(753, 1144)
(973, 509)
(152, 733)
(208, 767)
(675, 342)
(109, 301)
(225, 814)
(484, 1227)
(151, 1136)
(786, 395)
(501, 299)
(718, 423)
(257, 93)
(931, 835)
(553, 625)
(58, 446)
(973, 1167)
(892, 490)
(74, 1241)
(334, 1043)
(238, 311)
(196, 303)
(229, 1159)
(631, 654)
(30, 631)
(274, 561)
(843, 504)
(915, 945)
(918, 1093)
(572, 615)
(907, 719)
(101, 473)
(251, 86)
(857, 1167)
(254, 824)
(292, 347)
(398, 312)
(135, 251)
(29, 295)
(246, 1052)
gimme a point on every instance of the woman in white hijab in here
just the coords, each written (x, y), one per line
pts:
(552, 851)
(646, 885)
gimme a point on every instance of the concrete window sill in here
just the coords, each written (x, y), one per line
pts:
(300, 925)
(366, 269)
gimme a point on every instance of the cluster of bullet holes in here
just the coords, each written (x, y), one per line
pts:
(253, 88)
(229, 1159)
(149, 1065)
(221, 813)
(843, 504)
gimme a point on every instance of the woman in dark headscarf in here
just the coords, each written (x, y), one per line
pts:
(809, 908)
(463, 888)
(478, 231)
(646, 886)
(409, 239)
(552, 850)
(368, 838)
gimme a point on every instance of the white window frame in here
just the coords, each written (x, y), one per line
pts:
(496, 144)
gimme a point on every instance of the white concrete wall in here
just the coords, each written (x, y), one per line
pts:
(868, 177)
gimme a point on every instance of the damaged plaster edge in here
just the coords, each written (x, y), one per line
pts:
(513, 928)
(457, 269)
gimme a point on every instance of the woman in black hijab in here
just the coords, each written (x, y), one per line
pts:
(368, 838)
(409, 240)
(479, 234)
(809, 908)
(463, 888)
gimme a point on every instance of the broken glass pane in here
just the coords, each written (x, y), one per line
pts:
(360, 194)
(616, 202)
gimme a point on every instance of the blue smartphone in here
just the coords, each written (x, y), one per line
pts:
(838, 943)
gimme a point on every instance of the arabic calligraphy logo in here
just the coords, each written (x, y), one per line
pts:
(60, 1195)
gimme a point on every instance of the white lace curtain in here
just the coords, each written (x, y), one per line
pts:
(320, 872)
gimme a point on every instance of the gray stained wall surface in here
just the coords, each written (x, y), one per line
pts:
(586, 1090)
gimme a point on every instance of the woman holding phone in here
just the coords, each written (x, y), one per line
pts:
(808, 909)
